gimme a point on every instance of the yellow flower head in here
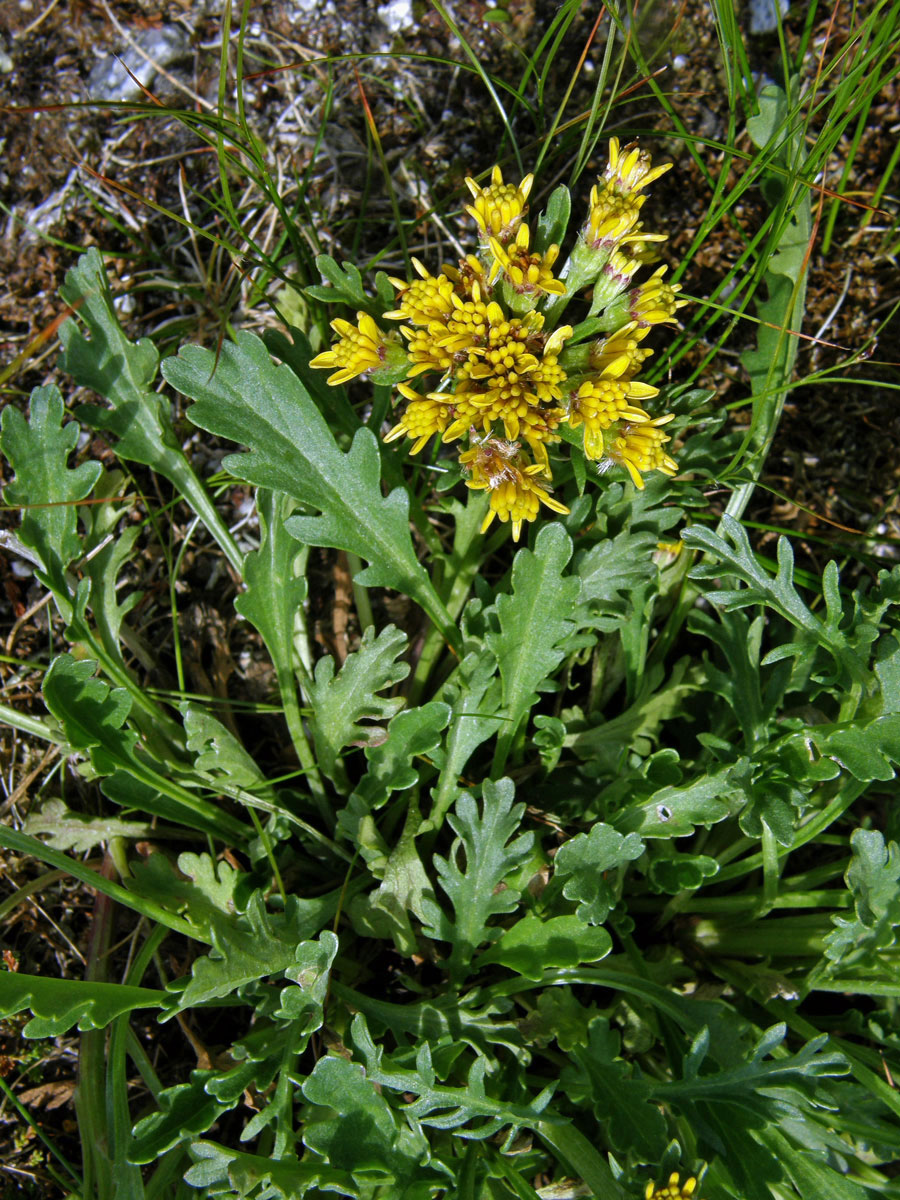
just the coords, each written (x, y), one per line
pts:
(600, 403)
(515, 493)
(630, 169)
(464, 330)
(423, 300)
(424, 417)
(672, 1190)
(654, 302)
(498, 208)
(616, 200)
(639, 448)
(358, 349)
(513, 379)
(526, 273)
(621, 354)
(612, 217)
(470, 274)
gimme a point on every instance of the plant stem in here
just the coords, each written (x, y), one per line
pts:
(463, 563)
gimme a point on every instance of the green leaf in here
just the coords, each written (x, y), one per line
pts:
(103, 569)
(658, 700)
(762, 1069)
(411, 734)
(228, 1172)
(340, 703)
(809, 1174)
(582, 861)
(873, 878)
(740, 685)
(123, 372)
(310, 973)
(202, 887)
(404, 884)
(185, 1110)
(256, 945)
(776, 130)
(38, 451)
(91, 713)
(69, 830)
(58, 1004)
(242, 395)
(612, 569)
(535, 622)
(273, 592)
(558, 1017)
(532, 945)
(117, 369)
(887, 670)
(218, 752)
(618, 1095)
(553, 222)
(867, 749)
(449, 1107)
(346, 284)
(93, 717)
(480, 859)
(676, 811)
(673, 873)
(737, 558)
(473, 693)
(362, 1135)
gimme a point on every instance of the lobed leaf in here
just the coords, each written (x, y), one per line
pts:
(123, 372)
(224, 1171)
(58, 1004)
(535, 621)
(582, 862)
(873, 878)
(256, 945)
(620, 1098)
(346, 284)
(68, 830)
(532, 946)
(341, 702)
(93, 717)
(473, 885)
(473, 694)
(411, 734)
(44, 486)
(358, 1131)
(272, 591)
(218, 752)
(241, 394)
(449, 1107)
(778, 593)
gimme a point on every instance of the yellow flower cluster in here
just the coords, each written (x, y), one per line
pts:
(500, 373)
(673, 1190)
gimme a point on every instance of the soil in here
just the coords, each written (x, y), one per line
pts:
(76, 174)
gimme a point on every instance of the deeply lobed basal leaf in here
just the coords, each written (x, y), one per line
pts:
(242, 395)
(481, 857)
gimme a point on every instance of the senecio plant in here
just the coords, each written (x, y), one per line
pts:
(497, 372)
(555, 888)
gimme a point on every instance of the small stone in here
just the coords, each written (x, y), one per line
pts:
(764, 14)
(396, 15)
(110, 80)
